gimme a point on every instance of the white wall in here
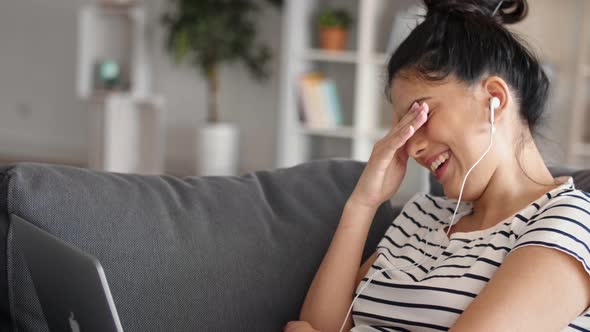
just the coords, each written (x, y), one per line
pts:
(552, 30)
(41, 116)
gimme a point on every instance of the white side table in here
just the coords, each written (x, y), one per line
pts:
(127, 134)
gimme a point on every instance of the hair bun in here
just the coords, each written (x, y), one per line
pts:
(509, 12)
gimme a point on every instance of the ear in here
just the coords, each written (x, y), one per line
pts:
(495, 86)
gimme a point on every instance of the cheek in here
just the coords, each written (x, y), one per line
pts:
(446, 129)
(437, 130)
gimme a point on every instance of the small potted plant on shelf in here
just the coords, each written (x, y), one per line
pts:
(334, 24)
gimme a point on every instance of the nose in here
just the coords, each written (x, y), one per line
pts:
(416, 145)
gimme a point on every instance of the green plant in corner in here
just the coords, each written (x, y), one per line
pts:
(212, 32)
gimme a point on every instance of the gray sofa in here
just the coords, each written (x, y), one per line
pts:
(194, 254)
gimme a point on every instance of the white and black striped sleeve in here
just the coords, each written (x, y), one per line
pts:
(563, 224)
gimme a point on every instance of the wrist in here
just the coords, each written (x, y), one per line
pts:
(362, 204)
(357, 216)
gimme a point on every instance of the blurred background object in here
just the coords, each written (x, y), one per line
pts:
(211, 33)
(126, 124)
(108, 75)
(334, 25)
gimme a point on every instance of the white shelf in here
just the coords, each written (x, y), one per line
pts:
(331, 56)
(381, 58)
(97, 40)
(343, 57)
(360, 86)
(342, 131)
(127, 134)
(117, 10)
(299, 56)
(126, 124)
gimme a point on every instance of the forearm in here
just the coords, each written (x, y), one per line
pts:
(331, 291)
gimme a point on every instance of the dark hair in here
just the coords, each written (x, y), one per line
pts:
(465, 38)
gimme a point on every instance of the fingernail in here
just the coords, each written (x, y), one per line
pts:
(423, 108)
(414, 106)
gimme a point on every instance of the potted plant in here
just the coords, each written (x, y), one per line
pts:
(210, 33)
(334, 24)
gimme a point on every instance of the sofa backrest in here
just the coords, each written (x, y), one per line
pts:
(194, 254)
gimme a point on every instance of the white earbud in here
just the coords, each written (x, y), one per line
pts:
(494, 103)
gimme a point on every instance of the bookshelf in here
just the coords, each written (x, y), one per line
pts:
(126, 122)
(118, 33)
(359, 73)
(579, 147)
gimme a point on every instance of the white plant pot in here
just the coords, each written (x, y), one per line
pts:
(217, 149)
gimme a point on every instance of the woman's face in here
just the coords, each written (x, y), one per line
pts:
(457, 131)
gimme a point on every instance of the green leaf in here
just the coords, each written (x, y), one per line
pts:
(334, 17)
(211, 33)
(181, 45)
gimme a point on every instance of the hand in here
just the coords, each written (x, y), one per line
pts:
(387, 164)
(299, 326)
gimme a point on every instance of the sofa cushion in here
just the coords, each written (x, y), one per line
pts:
(208, 253)
(581, 179)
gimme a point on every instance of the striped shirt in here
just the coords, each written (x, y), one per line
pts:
(431, 296)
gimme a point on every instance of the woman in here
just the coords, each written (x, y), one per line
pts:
(517, 255)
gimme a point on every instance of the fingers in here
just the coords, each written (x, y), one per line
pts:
(408, 117)
(385, 148)
(402, 138)
(421, 117)
(408, 126)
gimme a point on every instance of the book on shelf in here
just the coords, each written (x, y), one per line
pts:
(319, 104)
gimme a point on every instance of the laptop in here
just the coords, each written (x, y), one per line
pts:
(71, 284)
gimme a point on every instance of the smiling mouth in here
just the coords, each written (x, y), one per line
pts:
(438, 162)
(442, 169)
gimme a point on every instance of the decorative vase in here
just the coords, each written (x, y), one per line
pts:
(333, 38)
(217, 149)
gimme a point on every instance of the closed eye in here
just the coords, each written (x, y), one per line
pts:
(429, 115)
